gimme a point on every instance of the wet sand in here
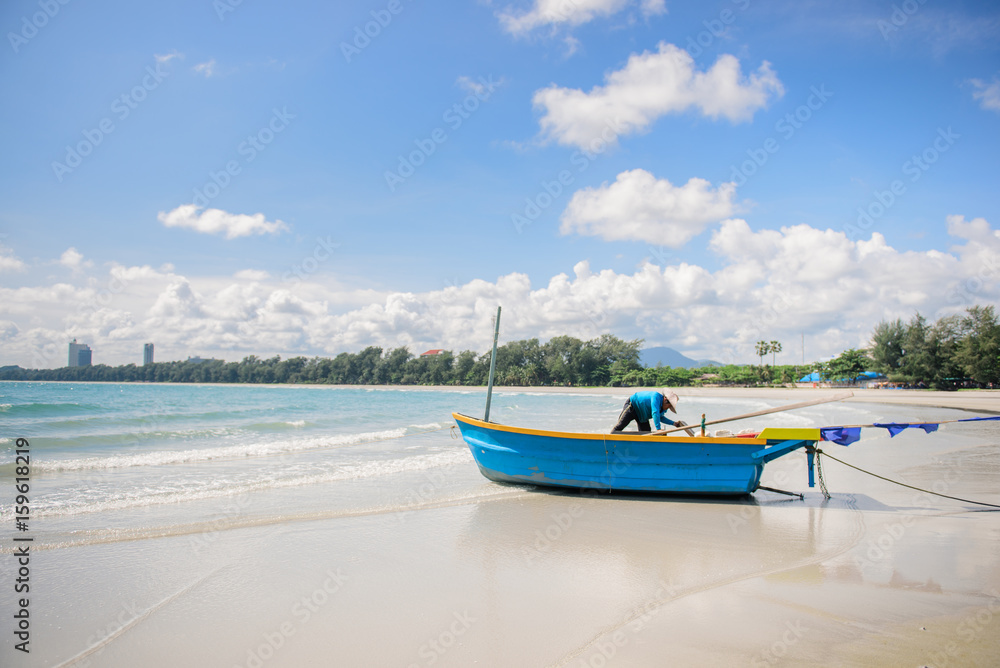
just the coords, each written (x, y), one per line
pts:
(472, 573)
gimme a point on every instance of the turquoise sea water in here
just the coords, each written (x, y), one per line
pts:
(124, 461)
(121, 461)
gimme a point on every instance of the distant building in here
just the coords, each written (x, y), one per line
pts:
(147, 354)
(199, 360)
(80, 354)
(431, 353)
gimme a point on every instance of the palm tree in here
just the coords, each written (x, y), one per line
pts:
(763, 348)
(775, 347)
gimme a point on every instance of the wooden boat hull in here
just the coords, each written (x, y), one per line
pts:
(627, 461)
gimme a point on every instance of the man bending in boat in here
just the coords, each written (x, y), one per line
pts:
(643, 406)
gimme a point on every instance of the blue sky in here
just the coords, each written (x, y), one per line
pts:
(229, 179)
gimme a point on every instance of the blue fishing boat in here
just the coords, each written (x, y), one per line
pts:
(638, 462)
(630, 461)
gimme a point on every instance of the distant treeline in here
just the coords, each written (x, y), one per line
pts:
(563, 360)
(956, 351)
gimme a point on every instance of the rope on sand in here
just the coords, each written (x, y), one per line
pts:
(902, 484)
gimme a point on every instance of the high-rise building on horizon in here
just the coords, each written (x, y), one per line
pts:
(147, 354)
(80, 354)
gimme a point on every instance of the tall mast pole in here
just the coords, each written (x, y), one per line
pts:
(493, 366)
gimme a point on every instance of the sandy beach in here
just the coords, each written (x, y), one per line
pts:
(972, 400)
(439, 567)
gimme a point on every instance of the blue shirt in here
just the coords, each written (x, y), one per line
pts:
(649, 405)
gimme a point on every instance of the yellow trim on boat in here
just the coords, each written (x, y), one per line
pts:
(780, 434)
(631, 436)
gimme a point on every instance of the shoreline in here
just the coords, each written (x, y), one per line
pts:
(987, 401)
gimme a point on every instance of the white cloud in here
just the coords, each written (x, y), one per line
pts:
(942, 29)
(570, 13)
(652, 85)
(73, 259)
(988, 94)
(8, 330)
(9, 261)
(178, 300)
(217, 221)
(572, 45)
(640, 207)
(252, 275)
(771, 284)
(977, 229)
(207, 68)
(167, 57)
(480, 87)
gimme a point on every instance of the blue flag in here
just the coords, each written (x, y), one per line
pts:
(840, 435)
(896, 427)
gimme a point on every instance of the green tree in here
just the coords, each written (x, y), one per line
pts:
(613, 358)
(847, 366)
(343, 370)
(774, 347)
(887, 346)
(365, 365)
(978, 351)
(562, 359)
(392, 367)
(462, 371)
(762, 348)
(918, 359)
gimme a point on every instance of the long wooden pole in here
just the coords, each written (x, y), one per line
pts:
(493, 367)
(766, 411)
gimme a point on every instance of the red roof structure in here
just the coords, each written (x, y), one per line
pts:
(435, 351)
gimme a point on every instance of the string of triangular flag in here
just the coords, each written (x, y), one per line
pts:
(847, 434)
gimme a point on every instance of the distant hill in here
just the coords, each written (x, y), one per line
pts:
(665, 356)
